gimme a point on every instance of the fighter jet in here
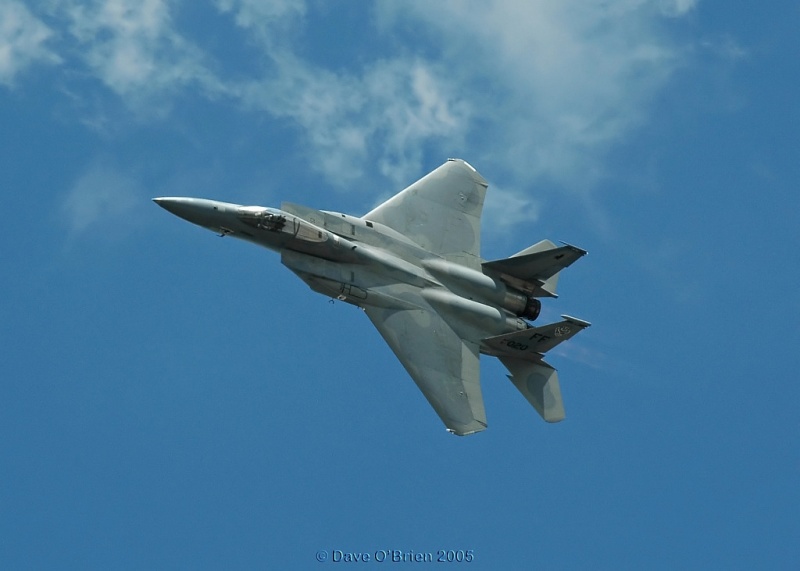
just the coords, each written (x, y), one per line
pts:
(413, 265)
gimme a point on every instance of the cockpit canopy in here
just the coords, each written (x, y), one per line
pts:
(261, 217)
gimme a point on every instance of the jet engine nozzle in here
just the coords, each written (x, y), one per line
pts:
(533, 308)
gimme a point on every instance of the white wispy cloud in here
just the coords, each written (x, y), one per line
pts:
(677, 7)
(555, 84)
(23, 41)
(383, 116)
(538, 91)
(133, 48)
(264, 18)
(504, 209)
(541, 90)
(102, 194)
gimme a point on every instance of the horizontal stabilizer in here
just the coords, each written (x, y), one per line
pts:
(535, 269)
(538, 383)
(531, 344)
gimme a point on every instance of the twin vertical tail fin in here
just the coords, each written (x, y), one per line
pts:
(538, 383)
(535, 271)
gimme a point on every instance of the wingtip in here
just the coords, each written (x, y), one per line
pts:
(575, 248)
(576, 321)
(472, 428)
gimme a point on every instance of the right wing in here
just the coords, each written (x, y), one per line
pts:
(445, 367)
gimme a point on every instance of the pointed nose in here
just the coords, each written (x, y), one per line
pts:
(208, 213)
(183, 207)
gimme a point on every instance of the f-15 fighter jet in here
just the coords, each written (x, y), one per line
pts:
(413, 265)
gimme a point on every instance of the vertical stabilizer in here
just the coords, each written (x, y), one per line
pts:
(538, 383)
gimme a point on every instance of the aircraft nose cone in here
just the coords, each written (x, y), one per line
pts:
(195, 210)
(211, 214)
(177, 206)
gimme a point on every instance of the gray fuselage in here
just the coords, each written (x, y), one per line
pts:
(365, 263)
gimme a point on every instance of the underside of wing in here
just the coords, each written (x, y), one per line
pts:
(441, 212)
(445, 368)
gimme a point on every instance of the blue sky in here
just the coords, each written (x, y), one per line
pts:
(172, 400)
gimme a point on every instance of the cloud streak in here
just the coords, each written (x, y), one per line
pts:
(556, 83)
(540, 90)
(23, 41)
(102, 194)
(537, 91)
(133, 48)
(384, 116)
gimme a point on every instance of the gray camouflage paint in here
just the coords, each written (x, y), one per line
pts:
(413, 264)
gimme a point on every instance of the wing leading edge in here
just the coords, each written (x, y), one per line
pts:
(445, 367)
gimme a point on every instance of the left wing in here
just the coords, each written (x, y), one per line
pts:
(441, 212)
(445, 367)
